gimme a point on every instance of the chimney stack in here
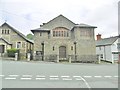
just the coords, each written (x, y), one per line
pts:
(98, 36)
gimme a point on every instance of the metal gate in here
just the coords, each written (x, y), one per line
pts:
(62, 52)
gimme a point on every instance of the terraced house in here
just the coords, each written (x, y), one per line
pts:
(12, 38)
(61, 39)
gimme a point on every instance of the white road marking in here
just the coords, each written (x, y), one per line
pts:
(65, 76)
(78, 79)
(107, 76)
(67, 79)
(53, 76)
(2, 75)
(27, 75)
(26, 78)
(87, 76)
(116, 76)
(13, 75)
(10, 78)
(97, 76)
(86, 83)
(76, 76)
(40, 78)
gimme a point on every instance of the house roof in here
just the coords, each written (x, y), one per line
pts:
(106, 41)
(6, 41)
(56, 18)
(40, 29)
(19, 33)
(82, 25)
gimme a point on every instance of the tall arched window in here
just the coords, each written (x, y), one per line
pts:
(60, 32)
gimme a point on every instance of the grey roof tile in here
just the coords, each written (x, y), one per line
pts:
(106, 41)
(5, 41)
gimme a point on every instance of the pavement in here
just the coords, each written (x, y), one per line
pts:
(37, 74)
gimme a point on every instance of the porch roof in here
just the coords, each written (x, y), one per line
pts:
(5, 41)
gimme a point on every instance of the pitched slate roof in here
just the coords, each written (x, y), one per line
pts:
(6, 41)
(82, 25)
(40, 29)
(19, 33)
(56, 18)
(106, 41)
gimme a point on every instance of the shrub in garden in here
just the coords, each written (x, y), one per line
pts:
(11, 52)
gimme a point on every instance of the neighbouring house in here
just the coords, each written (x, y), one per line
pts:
(61, 39)
(107, 48)
(12, 38)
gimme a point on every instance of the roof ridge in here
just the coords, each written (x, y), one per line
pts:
(57, 17)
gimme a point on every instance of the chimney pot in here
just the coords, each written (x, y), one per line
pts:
(98, 36)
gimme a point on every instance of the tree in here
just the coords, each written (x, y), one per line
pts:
(30, 36)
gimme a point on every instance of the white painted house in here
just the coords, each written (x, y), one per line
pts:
(107, 48)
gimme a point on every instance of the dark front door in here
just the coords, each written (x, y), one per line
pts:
(62, 52)
(2, 48)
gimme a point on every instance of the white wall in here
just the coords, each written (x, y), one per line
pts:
(114, 49)
(107, 52)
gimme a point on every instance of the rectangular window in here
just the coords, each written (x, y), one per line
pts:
(8, 32)
(53, 48)
(40, 33)
(57, 33)
(2, 31)
(101, 56)
(99, 48)
(5, 31)
(53, 33)
(67, 34)
(18, 45)
(71, 47)
(62, 33)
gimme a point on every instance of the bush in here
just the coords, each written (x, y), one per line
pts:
(11, 52)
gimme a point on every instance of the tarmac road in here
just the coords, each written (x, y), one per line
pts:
(36, 74)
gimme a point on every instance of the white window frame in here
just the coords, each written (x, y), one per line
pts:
(20, 45)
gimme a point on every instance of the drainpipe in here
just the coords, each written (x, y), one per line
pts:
(104, 53)
(75, 50)
(42, 51)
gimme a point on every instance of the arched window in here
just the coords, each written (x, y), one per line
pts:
(60, 32)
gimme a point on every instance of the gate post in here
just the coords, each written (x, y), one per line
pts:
(57, 58)
(28, 57)
(99, 59)
(16, 56)
(69, 58)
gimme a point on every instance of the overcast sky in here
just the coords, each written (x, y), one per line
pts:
(25, 15)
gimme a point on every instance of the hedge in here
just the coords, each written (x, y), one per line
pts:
(11, 52)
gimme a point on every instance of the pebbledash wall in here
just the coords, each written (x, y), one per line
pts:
(61, 39)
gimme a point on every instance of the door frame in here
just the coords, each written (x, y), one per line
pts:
(65, 50)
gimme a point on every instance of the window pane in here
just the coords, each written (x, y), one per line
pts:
(53, 33)
(67, 34)
(40, 33)
(2, 31)
(18, 44)
(64, 33)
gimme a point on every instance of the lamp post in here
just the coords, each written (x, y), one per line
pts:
(75, 50)
(42, 50)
